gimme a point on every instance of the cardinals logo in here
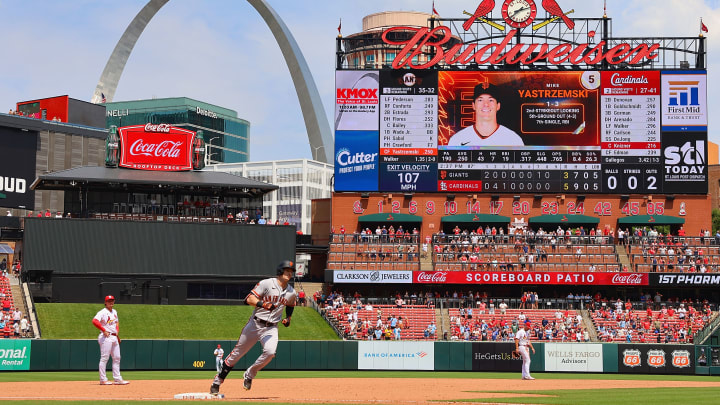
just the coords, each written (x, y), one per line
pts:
(518, 14)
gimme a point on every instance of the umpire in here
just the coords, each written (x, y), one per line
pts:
(269, 297)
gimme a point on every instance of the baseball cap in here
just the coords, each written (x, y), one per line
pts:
(109, 298)
(487, 88)
(218, 346)
(528, 323)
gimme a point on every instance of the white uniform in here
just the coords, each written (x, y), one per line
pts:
(503, 136)
(109, 346)
(219, 353)
(262, 326)
(523, 342)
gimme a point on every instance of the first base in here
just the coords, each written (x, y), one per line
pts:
(199, 395)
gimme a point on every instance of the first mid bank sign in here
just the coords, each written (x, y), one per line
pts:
(14, 355)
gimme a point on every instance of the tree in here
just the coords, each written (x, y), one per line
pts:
(715, 220)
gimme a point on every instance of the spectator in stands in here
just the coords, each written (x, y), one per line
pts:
(503, 307)
(6, 305)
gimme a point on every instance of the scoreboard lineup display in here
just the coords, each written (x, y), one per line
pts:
(616, 132)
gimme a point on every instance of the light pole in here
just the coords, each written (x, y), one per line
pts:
(208, 154)
(316, 150)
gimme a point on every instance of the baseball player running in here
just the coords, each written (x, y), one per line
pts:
(269, 297)
(107, 321)
(522, 342)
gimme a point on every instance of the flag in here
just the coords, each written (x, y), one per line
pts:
(703, 27)
(435, 11)
(339, 27)
(102, 98)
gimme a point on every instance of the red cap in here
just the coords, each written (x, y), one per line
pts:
(218, 346)
(109, 297)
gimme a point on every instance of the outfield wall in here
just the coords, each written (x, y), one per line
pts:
(65, 355)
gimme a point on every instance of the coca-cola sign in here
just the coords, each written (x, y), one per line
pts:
(628, 279)
(156, 147)
(529, 278)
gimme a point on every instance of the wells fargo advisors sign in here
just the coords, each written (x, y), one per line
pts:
(156, 147)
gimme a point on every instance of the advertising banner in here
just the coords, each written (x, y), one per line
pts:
(690, 279)
(574, 357)
(376, 277)
(156, 147)
(356, 160)
(15, 354)
(356, 101)
(529, 277)
(493, 356)
(396, 355)
(656, 359)
(685, 162)
(684, 98)
(17, 168)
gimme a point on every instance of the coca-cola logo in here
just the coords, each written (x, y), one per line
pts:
(435, 277)
(627, 279)
(617, 80)
(157, 128)
(163, 149)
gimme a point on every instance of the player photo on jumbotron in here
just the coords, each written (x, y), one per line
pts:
(506, 110)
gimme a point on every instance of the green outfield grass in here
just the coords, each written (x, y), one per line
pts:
(634, 396)
(193, 322)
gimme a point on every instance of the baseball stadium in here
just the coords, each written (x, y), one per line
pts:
(524, 210)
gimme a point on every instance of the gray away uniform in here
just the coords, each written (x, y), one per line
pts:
(262, 326)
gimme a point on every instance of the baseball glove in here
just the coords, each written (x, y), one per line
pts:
(516, 354)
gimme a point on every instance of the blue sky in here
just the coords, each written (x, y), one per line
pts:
(221, 52)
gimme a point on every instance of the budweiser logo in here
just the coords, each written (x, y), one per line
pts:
(163, 149)
(627, 279)
(157, 128)
(435, 277)
(618, 80)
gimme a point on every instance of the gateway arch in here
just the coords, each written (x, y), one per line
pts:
(316, 124)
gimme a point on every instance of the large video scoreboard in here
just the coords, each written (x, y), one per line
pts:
(581, 132)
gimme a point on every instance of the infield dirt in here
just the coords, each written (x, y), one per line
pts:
(319, 390)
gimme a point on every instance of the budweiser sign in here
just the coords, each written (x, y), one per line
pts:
(156, 147)
(431, 41)
(529, 278)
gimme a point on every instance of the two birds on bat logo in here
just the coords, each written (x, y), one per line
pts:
(518, 13)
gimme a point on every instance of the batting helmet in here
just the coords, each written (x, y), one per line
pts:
(285, 264)
(109, 298)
